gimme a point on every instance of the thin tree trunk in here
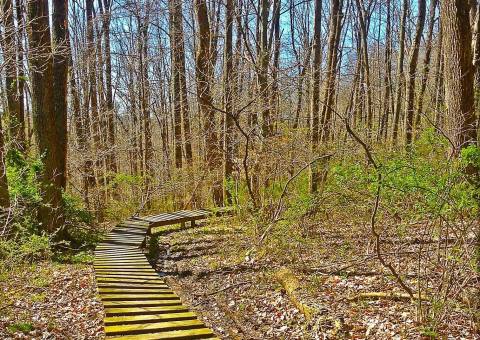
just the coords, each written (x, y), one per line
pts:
(4, 195)
(16, 120)
(383, 133)
(111, 159)
(175, 25)
(315, 104)
(366, 65)
(262, 74)
(180, 66)
(332, 60)
(412, 72)
(228, 81)
(400, 73)
(426, 64)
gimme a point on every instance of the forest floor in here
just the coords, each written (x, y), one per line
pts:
(241, 298)
(239, 295)
(50, 300)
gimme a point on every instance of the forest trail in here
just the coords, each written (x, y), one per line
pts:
(138, 303)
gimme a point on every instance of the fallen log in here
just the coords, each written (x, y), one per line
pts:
(291, 285)
(386, 296)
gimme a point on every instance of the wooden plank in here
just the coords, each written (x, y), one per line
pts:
(147, 296)
(135, 280)
(141, 303)
(145, 310)
(132, 286)
(133, 290)
(152, 327)
(144, 318)
(201, 333)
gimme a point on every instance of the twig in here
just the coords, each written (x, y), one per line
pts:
(279, 207)
(227, 288)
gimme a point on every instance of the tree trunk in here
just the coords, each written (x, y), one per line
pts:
(180, 66)
(228, 81)
(111, 159)
(4, 195)
(426, 64)
(315, 105)
(175, 25)
(145, 100)
(459, 71)
(400, 73)
(16, 119)
(262, 74)
(336, 16)
(383, 132)
(43, 112)
(204, 74)
(412, 71)
(366, 65)
(60, 79)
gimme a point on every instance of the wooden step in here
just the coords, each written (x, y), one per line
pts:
(133, 297)
(145, 310)
(147, 318)
(201, 333)
(141, 303)
(153, 327)
(133, 291)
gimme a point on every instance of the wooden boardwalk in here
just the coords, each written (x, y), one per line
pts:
(138, 303)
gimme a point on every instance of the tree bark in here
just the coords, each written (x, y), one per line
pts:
(16, 119)
(412, 71)
(228, 82)
(400, 73)
(4, 195)
(336, 16)
(204, 74)
(175, 26)
(459, 71)
(315, 104)
(426, 64)
(60, 79)
(43, 112)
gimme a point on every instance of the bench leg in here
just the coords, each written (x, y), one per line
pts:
(192, 223)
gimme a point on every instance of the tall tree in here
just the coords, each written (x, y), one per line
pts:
(400, 73)
(16, 119)
(60, 78)
(362, 20)
(175, 25)
(228, 82)
(111, 158)
(383, 131)
(336, 16)
(459, 71)
(426, 63)
(412, 70)
(262, 74)
(180, 68)
(204, 74)
(43, 111)
(315, 104)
